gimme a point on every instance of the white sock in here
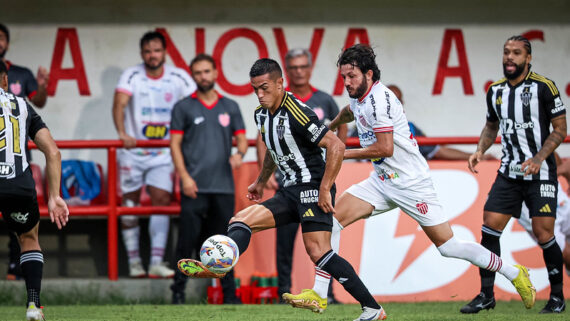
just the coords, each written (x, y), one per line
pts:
(158, 230)
(477, 255)
(322, 278)
(131, 240)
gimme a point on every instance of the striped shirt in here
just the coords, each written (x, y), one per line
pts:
(292, 135)
(524, 113)
(18, 121)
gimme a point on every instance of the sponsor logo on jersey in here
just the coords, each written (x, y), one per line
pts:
(526, 96)
(315, 131)
(224, 119)
(516, 169)
(155, 131)
(199, 120)
(558, 106)
(422, 207)
(6, 169)
(362, 120)
(282, 158)
(385, 175)
(545, 209)
(309, 196)
(366, 135)
(547, 190)
(156, 110)
(388, 105)
(499, 101)
(19, 217)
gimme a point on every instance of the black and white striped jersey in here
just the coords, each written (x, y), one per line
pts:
(292, 135)
(18, 121)
(524, 113)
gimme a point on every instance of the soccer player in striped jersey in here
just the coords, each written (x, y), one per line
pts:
(18, 201)
(523, 106)
(401, 176)
(294, 138)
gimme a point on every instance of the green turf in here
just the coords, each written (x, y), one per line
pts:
(396, 311)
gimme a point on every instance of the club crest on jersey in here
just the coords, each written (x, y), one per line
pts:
(16, 88)
(362, 120)
(422, 207)
(319, 112)
(6, 169)
(224, 119)
(526, 96)
(168, 97)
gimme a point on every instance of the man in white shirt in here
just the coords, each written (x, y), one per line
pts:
(142, 106)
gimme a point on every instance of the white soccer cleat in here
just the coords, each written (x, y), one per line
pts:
(33, 313)
(136, 270)
(372, 314)
(160, 271)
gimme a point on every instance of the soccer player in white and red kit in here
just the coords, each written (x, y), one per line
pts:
(400, 178)
(142, 109)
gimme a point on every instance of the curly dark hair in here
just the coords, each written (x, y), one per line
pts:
(361, 56)
(524, 40)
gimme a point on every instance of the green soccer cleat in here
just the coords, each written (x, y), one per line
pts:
(524, 287)
(195, 269)
(307, 299)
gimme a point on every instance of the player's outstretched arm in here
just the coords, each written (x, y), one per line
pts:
(58, 212)
(335, 153)
(532, 166)
(383, 147)
(487, 138)
(344, 116)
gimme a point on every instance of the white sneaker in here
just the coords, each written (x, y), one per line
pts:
(33, 313)
(136, 270)
(160, 271)
(372, 314)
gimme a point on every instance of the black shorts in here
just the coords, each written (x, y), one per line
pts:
(299, 203)
(21, 213)
(506, 197)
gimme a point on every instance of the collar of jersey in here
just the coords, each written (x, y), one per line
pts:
(368, 92)
(210, 106)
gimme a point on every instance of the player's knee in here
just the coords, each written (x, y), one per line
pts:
(450, 248)
(542, 235)
(129, 221)
(316, 250)
(163, 199)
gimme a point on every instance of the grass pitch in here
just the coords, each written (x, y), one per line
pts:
(396, 311)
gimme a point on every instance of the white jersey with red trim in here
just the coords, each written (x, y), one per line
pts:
(380, 112)
(147, 115)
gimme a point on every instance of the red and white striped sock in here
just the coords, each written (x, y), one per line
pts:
(322, 280)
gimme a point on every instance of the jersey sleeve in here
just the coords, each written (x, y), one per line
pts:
(304, 122)
(379, 116)
(552, 101)
(126, 84)
(178, 118)
(237, 124)
(491, 114)
(36, 122)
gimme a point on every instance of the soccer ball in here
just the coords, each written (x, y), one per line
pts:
(219, 253)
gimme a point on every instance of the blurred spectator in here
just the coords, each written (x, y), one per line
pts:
(21, 82)
(298, 67)
(141, 110)
(201, 144)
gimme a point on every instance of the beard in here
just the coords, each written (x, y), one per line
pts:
(360, 90)
(155, 67)
(205, 86)
(515, 74)
(2, 54)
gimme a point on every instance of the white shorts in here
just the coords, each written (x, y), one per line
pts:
(151, 170)
(420, 201)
